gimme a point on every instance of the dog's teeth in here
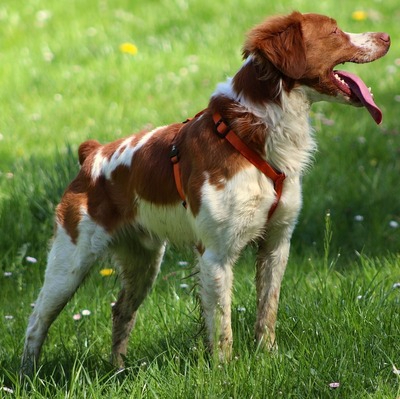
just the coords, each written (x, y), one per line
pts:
(340, 80)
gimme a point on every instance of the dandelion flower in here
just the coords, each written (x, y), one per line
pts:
(106, 272)
(359, 15)
(128, 48)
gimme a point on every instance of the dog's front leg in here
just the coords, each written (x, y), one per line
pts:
(216, 280)
(271, 264)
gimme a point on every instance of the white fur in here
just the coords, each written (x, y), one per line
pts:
(232, 217)
(93, 238)
(122, 156)
(366, 42)
(173, 223)
(290, 143)
(67, 265)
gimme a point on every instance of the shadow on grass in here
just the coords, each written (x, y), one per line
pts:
(180, 347)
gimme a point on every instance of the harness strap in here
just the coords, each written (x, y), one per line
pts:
(174, 155)
(224, 131)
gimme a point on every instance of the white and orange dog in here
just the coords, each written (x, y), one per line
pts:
(236, 167)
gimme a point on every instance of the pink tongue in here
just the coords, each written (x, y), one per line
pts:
(360, 90)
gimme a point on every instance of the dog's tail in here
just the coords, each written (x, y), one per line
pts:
(86, 149)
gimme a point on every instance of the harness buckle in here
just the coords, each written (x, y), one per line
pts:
(174, 154)
(222, 129)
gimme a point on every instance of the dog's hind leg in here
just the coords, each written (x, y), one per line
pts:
(68, 264)
(139, 260)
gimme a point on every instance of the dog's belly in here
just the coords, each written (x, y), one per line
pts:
(166, 222)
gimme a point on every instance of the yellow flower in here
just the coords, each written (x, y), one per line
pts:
(106, 272)
(359, 15)
(128, 48)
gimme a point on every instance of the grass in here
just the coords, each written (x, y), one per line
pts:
(63, 79)
(334, 326)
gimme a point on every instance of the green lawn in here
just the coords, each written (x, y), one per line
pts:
(64, 79)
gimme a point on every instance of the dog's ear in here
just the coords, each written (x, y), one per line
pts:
(280, 40)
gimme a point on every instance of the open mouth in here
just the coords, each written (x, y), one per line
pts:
(353, 86)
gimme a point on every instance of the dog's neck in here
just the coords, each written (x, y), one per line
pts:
(281, 108)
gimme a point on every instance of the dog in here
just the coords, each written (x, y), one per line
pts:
(227, 177)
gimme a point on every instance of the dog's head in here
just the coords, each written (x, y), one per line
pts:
(305, 49)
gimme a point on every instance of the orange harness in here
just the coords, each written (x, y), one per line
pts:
(223, 131)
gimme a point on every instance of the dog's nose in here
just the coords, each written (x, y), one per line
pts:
(384, 37)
